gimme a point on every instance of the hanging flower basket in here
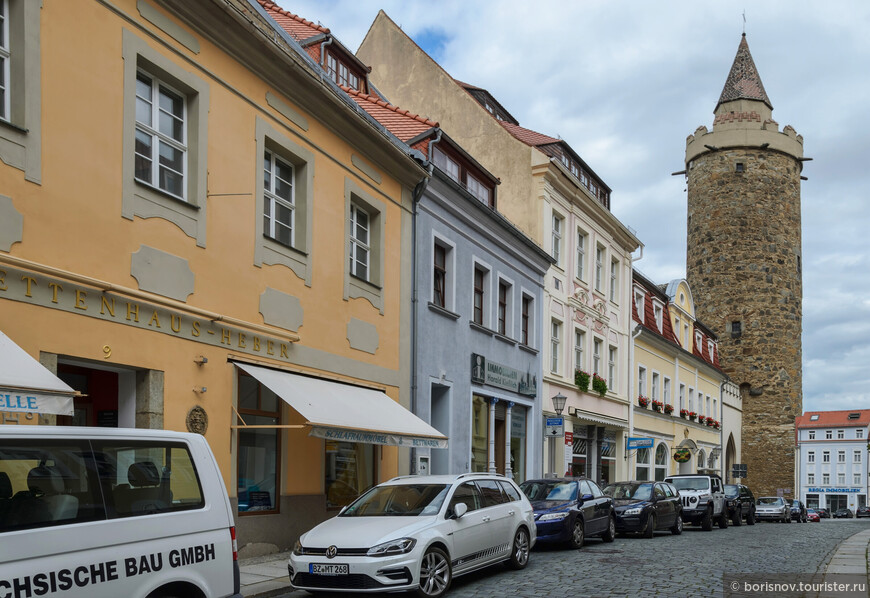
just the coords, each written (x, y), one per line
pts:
(599, 385)
(642, 401)
(657, 405)
(669, 409)
(682, 455)
(581, 379)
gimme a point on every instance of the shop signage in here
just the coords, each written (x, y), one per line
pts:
(29, 287)
(518, 427)
(502, 376)
(639, 443)
(834, 490)
(382, 438)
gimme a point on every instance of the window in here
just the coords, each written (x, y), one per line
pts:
(526, 316)
(278, 208)
(692, 400)
(856, 479)
(439, 275)
(715, 409)
(736, 328)
(841, 479)
(359, 242)
(826, 479)
(639, 298)
(710, 348)
(811, 435)
(596, 357)
(856, 457)
(445, 163)
(682, 396)
(259, 448)
(657, 310)
(859, 433)
(4, 60)
(555, 340)
(581, 255)
(161, 138)
(641, 381)
(686, 337)
(614, 278)
(347, 78)
(599, 267)
(840, 434)
(829, 435)
(811, 478)
(642, 469)
(841, 456)
(332, 67)
(611, 367)
(666, 391)
(579, 343)
(654, 387)
(811, 457)
(479, 281)
(478, 189)
(710, 412)
(662, 458)
(814, 417)
(826, 456)
(503, 309)
(557, 239)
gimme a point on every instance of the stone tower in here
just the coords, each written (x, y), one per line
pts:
(743, 261)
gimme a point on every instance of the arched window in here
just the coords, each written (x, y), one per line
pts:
(643, 456)
(702, 461)
(661, 462)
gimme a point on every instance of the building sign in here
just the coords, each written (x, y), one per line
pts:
(639, 443)
(502, 376)
(29, 287)
(834, 490)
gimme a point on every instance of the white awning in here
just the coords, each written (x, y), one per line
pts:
(600, 419)
(348, 413)
(27, 386)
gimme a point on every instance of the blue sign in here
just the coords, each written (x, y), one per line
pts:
(555, 421)
(833, 490)
(639, 443)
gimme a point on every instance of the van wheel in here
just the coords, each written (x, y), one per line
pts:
(520, 550)
(751, 519)
(723, 519)
(435, 573)
(707, 521)
(738, 517)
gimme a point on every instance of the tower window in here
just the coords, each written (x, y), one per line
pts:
(736, 329)
(739, 167)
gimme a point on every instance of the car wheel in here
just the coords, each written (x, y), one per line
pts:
(649, 530)
(723, 519)
(738, 517)
(678, 526)
(707, 521)
(520, 551)
(578, 534)
(610, 534)
(435, 573)
(750, 520)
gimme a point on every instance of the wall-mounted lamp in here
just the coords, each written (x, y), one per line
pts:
(559, 403)
(200, 359)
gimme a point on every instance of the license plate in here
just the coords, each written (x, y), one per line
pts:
(330, 569)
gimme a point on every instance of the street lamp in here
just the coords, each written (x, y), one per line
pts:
(558, 407)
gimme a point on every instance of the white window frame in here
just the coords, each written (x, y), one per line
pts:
(856, 456)
(826, 456)
(579, 347)
(274, 200)
(829, 434)
(654, 386)
(157, 137)
(683, 397)
(841, 434)
(692, 401)
(811, 478)
(856, 478)
(530, 324)
(841, 456)
(446, 164)
(811, 456)
(596, 355)
(859, 433)
(811, 435)
(639, 301)
(611, 368)
(841, 478)
(582, 238)
(614, 280)
(826, 479)
(449, 271)
(477, 189)
(666, 390)
(658, 310)
(556, 238)
(509, 306)
(641, 381)
(357, 244)
(555, 345)
(599, 267)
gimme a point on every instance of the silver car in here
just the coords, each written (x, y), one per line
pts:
(772, 508)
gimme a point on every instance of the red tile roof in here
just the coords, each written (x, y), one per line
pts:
(301, 29)
(528, 136)
(829, 419)
(744, 82)
(401, 123)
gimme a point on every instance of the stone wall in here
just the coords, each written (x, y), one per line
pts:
(744, 265)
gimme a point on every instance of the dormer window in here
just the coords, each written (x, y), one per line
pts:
(699, 340)
(445, 163)
(478, 190)
(639, 298)
(658, 310)
(710, 347)
(340, 73)
(463, 173)
(814, 417)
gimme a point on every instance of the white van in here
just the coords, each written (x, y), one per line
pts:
(114, 513)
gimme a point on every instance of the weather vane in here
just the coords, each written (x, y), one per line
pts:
(744, 21)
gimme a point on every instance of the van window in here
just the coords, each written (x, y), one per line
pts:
(57, 482)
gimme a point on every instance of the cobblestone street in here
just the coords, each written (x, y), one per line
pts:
(688, 565)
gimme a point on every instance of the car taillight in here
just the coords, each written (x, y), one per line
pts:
(235, 544)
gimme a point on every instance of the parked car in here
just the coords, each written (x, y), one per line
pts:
(772, 508)
(569, 510)
(703, 499)
(798, 511)
(813, 516)
(645, 507)
(823, 513)
(863, 512)
(843, 513)
(740, 503)
(417, 533)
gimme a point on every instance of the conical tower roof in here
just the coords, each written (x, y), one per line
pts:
(743, 81)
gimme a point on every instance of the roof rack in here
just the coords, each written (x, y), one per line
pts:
(481, 473)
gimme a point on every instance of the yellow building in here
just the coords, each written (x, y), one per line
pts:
(678, 386)
(195, 223)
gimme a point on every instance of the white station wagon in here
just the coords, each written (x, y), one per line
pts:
(417, 533)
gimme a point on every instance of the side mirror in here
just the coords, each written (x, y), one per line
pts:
(459, 510)
(586, 497)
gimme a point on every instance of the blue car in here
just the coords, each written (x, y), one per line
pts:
(568, 510)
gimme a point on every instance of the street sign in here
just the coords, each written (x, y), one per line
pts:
(555, 427)
(569, 438)
(639, 443)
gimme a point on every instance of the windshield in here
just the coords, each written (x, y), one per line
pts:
(629, 491)
(545, 490)
(771, 500)
(731, 490)
(691, 483)
(408, 500)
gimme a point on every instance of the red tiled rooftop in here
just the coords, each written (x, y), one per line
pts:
(528, 136)
(401, 123)
(300, 29)
(829, 419)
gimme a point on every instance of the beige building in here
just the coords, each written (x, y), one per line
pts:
(551, 194)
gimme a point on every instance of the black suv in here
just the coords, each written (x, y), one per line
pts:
(740, 503)
(798, 511)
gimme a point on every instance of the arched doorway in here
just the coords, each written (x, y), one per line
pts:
(687, 466)
(730, 458)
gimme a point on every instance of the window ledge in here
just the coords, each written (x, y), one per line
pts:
(284, 246)
(362, 281)
(443, 311)
(505, 339)
(14, 127)
(531, 350)
(164, 194)
(475, 326)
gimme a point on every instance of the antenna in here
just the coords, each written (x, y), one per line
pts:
(744, 21)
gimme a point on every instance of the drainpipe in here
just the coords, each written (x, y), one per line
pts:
(323, 53)
(636, 333)
(722, 450)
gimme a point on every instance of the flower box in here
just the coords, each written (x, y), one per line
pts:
(684, 413)
(657, 405)
(669, 409)
(581, 379)
(643, 401)
(599, 384)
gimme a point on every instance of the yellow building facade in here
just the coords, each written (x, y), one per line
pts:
(188, 210)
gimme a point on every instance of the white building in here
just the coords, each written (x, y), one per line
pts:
(832, 451)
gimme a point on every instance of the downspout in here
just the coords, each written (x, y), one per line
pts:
(636, 333)
(722, 450)
(323, 54)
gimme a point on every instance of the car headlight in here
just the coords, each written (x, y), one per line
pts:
(633, 511)
(297, 548)
(400, 546)
(693, 499)
(553, 516)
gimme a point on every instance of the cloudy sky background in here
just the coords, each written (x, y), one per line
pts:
(624, 83)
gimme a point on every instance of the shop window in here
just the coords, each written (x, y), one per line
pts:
(642, 469)
(662, 455)
(518, 443)
(349, 470)
(258, 448)
(479, 434)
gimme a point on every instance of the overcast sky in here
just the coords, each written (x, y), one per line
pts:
(624, 83)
